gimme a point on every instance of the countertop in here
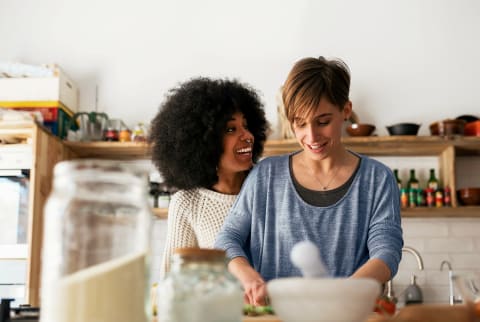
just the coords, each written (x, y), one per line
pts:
(413, 313)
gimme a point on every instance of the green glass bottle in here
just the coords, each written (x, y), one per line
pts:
(432, 181)
(399, 182)
(412, 181)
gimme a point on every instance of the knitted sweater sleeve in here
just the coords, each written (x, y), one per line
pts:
(180, 231)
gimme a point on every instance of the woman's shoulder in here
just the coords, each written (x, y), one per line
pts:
(373, 167)
(273, 161)
(184, 197)
(191, 196)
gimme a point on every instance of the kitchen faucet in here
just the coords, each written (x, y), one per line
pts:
(416, 254)
(451, 298)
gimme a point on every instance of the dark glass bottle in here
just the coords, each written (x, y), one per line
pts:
(432, 181)
(412, 181)
(399, 182)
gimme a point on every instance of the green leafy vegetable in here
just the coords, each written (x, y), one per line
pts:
(252, 310)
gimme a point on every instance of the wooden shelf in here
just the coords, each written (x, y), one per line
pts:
(389, 145)
(420, 212)
(370, 145)
(110, 150)
(450, 212)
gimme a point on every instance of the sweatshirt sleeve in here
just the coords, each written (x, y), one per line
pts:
(385, 239)
(235, 232)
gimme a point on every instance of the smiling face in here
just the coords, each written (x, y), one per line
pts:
(237, 146)
(320, 131)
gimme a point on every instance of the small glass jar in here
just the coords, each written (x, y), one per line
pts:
(199, 288)
(96, 244)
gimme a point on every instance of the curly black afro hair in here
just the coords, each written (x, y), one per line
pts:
(187, 133)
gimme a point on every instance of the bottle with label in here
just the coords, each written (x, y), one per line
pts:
(439, 198)
(412, 181)
(399, 182)
(413, 186)
(199, 288)
(447, 198)
(432, 181)
(96, 240)
(404, 198)
(430, 197)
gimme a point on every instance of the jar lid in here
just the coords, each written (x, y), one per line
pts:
(199, 253)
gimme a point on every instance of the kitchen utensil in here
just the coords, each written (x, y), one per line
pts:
(448, 127)
(323, 299)
(472, 128)
(467, 118)
(360, 129)
(306, 257)
(469, 196)
(91, 125)
(403, 129)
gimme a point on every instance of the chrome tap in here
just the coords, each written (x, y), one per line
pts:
(416, 254)
(452, 299)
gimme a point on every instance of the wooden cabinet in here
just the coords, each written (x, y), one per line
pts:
(46, 151)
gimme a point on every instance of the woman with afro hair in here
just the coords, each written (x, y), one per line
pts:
(205, 138)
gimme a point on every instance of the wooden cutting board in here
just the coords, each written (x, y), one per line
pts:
(262, 318)
(273, 318)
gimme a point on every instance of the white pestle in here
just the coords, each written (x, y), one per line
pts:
(306, 257)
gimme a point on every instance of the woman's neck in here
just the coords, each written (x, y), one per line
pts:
(229, 184)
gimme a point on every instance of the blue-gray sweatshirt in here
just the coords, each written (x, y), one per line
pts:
(269, 217)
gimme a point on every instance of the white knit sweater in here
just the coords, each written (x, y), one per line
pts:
(194, 218)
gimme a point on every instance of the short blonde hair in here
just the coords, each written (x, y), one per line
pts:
(311, 79)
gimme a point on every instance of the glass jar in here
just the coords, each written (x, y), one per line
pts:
(199, 288)
(96, 244)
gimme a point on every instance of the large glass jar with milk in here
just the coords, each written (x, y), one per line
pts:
(199, 288)
(96, 244)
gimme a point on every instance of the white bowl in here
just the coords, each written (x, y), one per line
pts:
(298, 299)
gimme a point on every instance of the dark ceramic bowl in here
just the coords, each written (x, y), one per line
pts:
(403, 129)
(469, 196)
(360, 129)
(448, 127)
(467, 118)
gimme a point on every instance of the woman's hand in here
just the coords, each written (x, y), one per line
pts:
(255, 292)
(253, 284)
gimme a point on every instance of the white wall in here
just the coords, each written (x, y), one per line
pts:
(410, 60)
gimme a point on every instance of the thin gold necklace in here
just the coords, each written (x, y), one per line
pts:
(325, 187)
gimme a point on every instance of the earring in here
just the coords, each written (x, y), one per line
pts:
(248, 140)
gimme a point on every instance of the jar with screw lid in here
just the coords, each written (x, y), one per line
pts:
(96, 243)
(199, 288)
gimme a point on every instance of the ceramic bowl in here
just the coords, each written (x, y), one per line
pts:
(448, 127)
(403, 129)
(469, 196)
(323, 299)
(472, 128)
(360, 129)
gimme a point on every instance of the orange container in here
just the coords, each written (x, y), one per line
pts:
(472, 128)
